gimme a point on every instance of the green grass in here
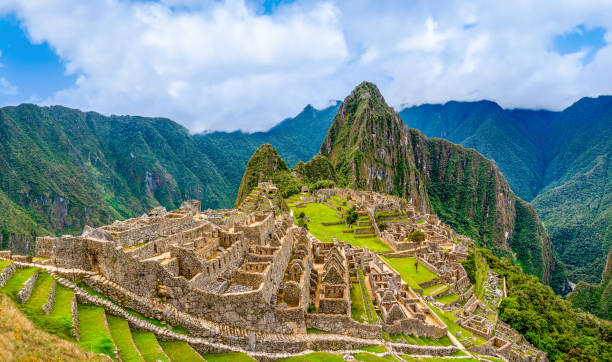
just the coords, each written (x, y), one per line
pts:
(14, 285)
(321, 213)
(375, 349)
(148, 346)
(227, 357)
(408, 272)
(369, 304)
(453, 327)
(449, 298)
(315, 331)
(120, 331)
(176, 329)
(3, 264)
(358, 312)
(40, 293)
(59, 320)
(362, 309)
(180, 351)
(434, 289)
(94, 336)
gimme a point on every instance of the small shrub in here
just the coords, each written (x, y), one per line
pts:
(351, 216)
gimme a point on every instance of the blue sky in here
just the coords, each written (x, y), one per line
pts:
(246, 65)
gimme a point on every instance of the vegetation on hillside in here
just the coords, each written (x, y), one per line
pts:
(547, 320)
(559, 160)
(372, 149)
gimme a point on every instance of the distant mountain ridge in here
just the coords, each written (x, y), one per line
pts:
(106, 182)
(558, 160)
(368, 147)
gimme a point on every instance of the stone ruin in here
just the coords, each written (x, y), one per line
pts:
(249, 276)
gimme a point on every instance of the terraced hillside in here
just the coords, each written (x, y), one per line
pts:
(51, 303)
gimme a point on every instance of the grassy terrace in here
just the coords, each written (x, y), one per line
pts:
(408, 271)
(94, 336)
(59, 320)
(180, 351)
(447, 299)
(421, 341)
(434, 290)
(120, 331)
(14, 285)
(321, 213)
(3, 264)
(362, 308)
(449, 319)
(148, 346)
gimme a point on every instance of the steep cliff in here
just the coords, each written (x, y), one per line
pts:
(371, 148)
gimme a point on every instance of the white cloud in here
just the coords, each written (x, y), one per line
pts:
(7, 88)
(221, 65)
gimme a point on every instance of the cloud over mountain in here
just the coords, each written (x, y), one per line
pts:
(229, 65)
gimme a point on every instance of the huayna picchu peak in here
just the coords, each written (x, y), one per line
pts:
(384, 245)
(372, 149)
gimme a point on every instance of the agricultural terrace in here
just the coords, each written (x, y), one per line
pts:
(408, 271)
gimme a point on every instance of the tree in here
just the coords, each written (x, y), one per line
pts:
(417, 236)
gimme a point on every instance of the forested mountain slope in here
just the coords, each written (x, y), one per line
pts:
(558, 160)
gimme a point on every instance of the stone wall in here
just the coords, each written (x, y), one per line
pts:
(50, 299)
(424, 350)
(24, 294)
(75, 318)
(6, 274)
(417, 327)
(343, 324)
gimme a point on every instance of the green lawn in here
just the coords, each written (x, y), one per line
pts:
(148, 346)
(94, 336)
(4, 263)
(375, 349)
(434, 290)
(59, 321)
(40, 293)
(14, 285)
(409, 273)
(227, 357)
(453, 327)
(315, 331)
(449, 298)
(358, 312)
(362, 308)
(120, 330)
(369, 304)
(321, 213)
(180, 351)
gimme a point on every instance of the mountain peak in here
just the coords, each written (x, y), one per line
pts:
(265, 161)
